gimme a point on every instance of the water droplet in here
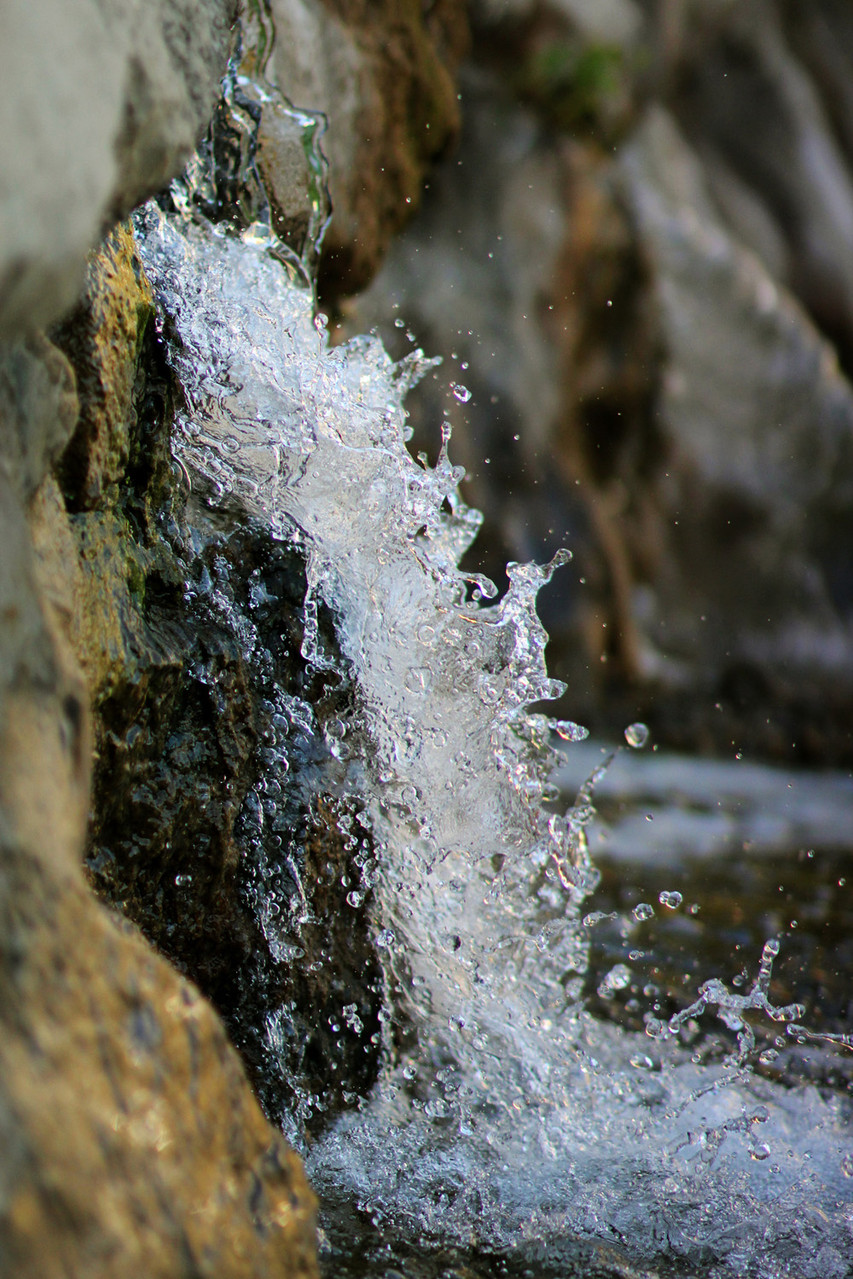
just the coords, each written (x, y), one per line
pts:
(181, 881)
(847, 1165)
(636, 735)
(354, 898)
(569, 731)
(617, 979)
(460, 392)
(643, 911)
(640, 1061)
(673, 900)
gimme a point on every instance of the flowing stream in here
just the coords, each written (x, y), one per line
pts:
(508, 1123)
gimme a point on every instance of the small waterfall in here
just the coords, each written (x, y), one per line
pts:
(510, 1122)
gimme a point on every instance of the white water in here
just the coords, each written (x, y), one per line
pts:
(517, 1123)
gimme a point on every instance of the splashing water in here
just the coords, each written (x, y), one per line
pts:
(514, 1122)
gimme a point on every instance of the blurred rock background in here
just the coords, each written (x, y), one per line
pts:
(637, 258)
(628, 227)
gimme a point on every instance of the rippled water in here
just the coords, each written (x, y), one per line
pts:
(515, 1131)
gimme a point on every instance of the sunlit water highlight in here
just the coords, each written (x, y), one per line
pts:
(516, 1124)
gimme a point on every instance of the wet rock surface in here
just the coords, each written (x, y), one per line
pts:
(189, 625)
(131, 1137)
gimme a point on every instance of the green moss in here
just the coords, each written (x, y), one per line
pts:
(578, 87)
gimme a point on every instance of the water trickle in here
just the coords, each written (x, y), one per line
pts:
(503, 1110)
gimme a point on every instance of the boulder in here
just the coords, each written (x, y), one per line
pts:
(131, 1138)
(103, 101)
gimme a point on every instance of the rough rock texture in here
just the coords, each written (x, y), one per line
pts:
(383, 73)
(102, 102)
(130, 1136)
(787, 69)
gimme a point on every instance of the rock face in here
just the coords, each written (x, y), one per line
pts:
(384, 75)
(123, 88)
(131, 1137)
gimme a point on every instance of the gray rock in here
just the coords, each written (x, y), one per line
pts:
(38, 409)
(781, 127)
(757, 422)
(101, 103)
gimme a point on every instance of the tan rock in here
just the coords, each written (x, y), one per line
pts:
(384, 74)
(102, 338)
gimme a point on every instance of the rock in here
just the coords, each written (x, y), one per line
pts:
(756, 420)
(130, 1136)
(384, 76)
(111, 317)
(787, 73)
(38, 408)
(124, 88)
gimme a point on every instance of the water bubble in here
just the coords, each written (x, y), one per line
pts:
(569, 731)
(636, 735)
(181, 881)
(643, 911)
(418, 679)
(640, 1061)
(617, 979)
(596, 917)
(355, 898)
(673, 900)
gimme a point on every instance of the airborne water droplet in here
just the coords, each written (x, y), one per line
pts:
(617, 979)
(643, 911)
(636, 735)
(673, 900)
(460, 392)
